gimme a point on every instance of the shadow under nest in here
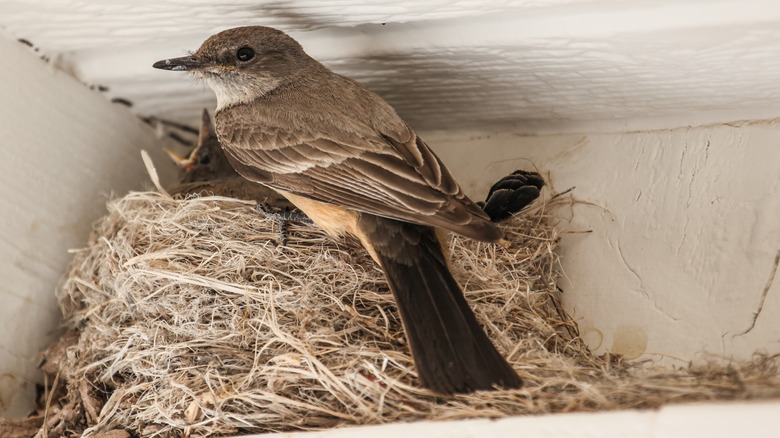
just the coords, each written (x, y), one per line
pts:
(188, 318)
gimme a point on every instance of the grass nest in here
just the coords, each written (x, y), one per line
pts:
(187, 317)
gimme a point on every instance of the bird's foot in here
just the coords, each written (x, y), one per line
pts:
(283, 217)
(511, 194)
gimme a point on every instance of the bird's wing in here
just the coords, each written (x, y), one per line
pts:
(393, 174)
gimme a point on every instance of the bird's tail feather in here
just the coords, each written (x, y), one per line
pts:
(451, 352)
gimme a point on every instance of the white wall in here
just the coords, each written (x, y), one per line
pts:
(685, 232)
(528, 66)
(66, 149)
(677, 421)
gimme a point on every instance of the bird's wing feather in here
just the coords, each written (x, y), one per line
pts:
(392, 174)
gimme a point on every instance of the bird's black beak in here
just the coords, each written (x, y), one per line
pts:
(185, 63)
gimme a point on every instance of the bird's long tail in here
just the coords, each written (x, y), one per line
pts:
(451, 352)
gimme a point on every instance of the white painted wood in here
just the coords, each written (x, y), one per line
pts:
(65, 150)
(725, 420)
(685, 232)
(544, 66)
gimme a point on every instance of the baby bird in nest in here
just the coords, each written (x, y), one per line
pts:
(205, 171)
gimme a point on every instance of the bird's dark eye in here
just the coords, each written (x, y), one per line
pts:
(245, 54)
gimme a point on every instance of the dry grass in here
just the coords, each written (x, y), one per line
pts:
(192, 320)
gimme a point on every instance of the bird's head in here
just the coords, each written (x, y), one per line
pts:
(243, 63)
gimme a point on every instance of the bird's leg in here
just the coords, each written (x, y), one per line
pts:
(283, 217)
(511, 194)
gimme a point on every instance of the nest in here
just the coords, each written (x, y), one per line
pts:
(188, 318)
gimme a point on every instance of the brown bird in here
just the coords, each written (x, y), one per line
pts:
(206, 171)
(206, 161)
(343, 156)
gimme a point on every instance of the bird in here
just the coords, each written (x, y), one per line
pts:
(344, 157)
(206, 171)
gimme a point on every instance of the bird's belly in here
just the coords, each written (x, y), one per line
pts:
(335, 220)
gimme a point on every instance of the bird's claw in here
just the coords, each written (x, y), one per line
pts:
(283, 217)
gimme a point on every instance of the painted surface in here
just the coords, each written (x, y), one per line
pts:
(521, 66)
(724, 420)
(65, 150)
(684, 233)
